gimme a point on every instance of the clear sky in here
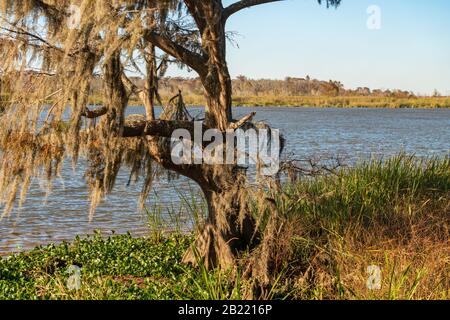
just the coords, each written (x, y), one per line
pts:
(411, 50)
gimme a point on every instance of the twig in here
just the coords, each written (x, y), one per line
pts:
(244, 120)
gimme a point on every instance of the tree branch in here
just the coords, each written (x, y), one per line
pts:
(196, 14)
(92, 114)
(130, 85)
(243, 4)
(156, 128)
(244, 120)
(192, 59)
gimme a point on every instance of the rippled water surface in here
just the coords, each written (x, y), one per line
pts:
(350, 133)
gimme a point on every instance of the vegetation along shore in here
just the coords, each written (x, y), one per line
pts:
(296, 92)
(327, 232)
(324, 101)
(290, 92)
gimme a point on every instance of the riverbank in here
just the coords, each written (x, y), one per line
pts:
(322, 101)
(391, 215)
(344, 102)
(307, 101)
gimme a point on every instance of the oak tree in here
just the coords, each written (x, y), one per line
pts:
(55, 49)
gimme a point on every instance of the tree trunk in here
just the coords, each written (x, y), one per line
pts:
(216, 79)
(230, 228)
(150, 87)
(218, 100)
(2, 97)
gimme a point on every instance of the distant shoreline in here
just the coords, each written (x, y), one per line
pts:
(322, 102)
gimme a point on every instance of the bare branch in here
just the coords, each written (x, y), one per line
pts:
(243, 4)
(23, 32)
(242, 121)
(130, 85)
(192, 59)
(156, 128)
(92, 114)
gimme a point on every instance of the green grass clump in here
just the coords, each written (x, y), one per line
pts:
(372, 190)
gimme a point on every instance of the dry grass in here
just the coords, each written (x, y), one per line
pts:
(318, 101)
(393, 214)
(343, 101)
(414, 263)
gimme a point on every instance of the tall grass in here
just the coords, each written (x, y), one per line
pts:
(322, 101)
(343, 101)
(303, 101)
(393, 213)
(373, 190)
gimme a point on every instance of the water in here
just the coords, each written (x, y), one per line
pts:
(311, 133)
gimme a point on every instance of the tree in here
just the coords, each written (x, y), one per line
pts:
(107, 38)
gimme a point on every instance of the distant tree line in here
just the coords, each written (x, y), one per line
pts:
(243, 86)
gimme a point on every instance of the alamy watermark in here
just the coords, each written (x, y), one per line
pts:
(74, 14)
(74, 20)
(374, 20)
(374, 277)
(74, 280)
(259, 148)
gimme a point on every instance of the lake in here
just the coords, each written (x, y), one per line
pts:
(352, 134)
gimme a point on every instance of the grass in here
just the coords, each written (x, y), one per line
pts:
(393, 214)
(306, 101)
(323, 101)
(344, 101)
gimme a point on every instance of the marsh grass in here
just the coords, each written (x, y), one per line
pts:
(343, 101)
(318, 101)
(391, 213)
(180, 218)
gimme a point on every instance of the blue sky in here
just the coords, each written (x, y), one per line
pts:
(296, 38)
